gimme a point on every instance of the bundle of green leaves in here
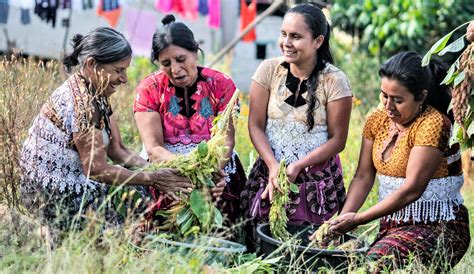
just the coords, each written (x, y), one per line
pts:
(197, 212)
(277, 216)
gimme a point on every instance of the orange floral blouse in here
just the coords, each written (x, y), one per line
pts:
(431, 128)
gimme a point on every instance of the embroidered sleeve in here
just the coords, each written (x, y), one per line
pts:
(264, 73)
(337, 86)
(433, 131)
(371, 125)
(225, 88)
(146, 98)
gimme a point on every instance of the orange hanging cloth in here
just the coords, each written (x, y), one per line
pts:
(111, 10)
(247, 15)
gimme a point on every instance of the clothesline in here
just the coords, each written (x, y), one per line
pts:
(140, 20)
(111, 10)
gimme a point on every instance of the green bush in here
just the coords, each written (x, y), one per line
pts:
(385, 27)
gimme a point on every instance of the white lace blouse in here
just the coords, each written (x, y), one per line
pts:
(48, 157)
(286, 127)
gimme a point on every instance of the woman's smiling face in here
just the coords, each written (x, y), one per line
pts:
(296, 40)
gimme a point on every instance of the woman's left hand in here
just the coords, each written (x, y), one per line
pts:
(292, 171)
(344, 223)
(219, 178)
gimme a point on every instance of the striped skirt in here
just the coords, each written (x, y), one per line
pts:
(437, 245)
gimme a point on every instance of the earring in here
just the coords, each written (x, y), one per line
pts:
(420, 109)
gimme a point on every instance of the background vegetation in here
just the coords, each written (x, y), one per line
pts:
(383, 27)
(379, 28)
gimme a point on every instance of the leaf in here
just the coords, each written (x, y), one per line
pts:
(200, 207)
(470, 130)
(454, 46)
(457, 130)
(459, 78)
(202, 149)
(183, 215)
(439, 45)
(217, 217)
(187, 225)
(294, 188)
(208, 182)
(449, 75)
(450, 107)
(163, 213)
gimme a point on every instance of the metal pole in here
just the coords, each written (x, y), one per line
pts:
(269, 11)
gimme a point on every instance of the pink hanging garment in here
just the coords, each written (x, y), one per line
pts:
(247, 16)
(177, 6)
(140, 26)
(189, 9)
(164, 6)
(214, 19)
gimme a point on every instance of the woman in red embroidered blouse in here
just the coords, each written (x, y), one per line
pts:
(175, 107)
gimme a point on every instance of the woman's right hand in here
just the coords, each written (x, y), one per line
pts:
(272, 184)
(169, 182)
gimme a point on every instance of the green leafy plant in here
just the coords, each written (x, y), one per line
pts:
(198, 213)
(385, 27)
(277, 216)
(460, 76)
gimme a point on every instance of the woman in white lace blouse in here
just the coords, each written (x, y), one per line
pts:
(64, 158)
(300, 106)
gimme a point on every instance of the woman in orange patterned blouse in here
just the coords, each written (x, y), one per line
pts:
(406, 144)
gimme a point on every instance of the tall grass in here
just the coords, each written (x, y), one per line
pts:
(25, 85)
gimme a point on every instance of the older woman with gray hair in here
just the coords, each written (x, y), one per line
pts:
(64, 158)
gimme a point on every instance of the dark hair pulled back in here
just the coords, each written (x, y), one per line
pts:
(104, 44)
(172, 33)
(318, 25)
(405, 67)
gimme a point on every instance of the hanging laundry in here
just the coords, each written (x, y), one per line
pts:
(247, 16)
(26, 4)
(214, 18)
(88, 4)
(177, 6)
(139, 28)
(47, 10)
(164, 6)
(203, 8)
(189, 9)
(4, 10)
(65, 4)
(110, 10)
(77, 5)
(25, 16)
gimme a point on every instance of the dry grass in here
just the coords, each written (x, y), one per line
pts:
(25, 85)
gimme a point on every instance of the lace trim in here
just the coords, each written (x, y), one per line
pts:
(435, 204)
(292, 141)
(45, 160)
(453, 158)
(187, 140)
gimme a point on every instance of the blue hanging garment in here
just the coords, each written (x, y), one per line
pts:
(203, 8)
(65, 4)
(4, 10)
(109, 5)
(25, 16)
(87, 4)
